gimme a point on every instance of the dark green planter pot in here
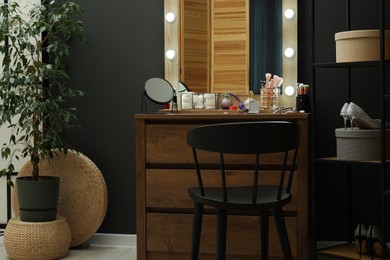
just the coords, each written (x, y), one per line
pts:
(38, 199)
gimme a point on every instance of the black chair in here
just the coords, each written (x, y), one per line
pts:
(262, 137)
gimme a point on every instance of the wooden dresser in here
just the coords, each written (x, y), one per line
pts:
(164, 171)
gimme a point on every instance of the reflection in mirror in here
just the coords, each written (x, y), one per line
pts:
(265, 40)
(203, 47)
(183, 87)
(159, 91)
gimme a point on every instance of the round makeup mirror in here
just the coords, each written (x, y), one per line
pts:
(159, 91)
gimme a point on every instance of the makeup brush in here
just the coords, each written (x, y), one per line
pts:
(271, 83)
(276, 80)
(267, 78)
(280, 82)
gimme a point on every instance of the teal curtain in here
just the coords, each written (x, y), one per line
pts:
(265, 40)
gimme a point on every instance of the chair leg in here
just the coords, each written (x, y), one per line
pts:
(196, 230)
(264, 234)
(282, 232)
(221, 234)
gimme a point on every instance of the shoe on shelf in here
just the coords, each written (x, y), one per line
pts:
(360, 235)
(373, 241)
(359, 118)
(343, 113)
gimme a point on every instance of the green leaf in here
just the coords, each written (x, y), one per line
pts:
(37, 91)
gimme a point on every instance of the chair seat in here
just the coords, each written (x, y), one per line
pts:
(241, 197)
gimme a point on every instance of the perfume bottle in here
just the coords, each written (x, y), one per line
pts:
(249, 99)
(226, 101)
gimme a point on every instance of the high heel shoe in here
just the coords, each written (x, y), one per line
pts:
(373, 236)
(360, 235)
(360, 119)
(344, 114)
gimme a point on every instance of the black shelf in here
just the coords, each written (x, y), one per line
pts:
(355, 64)
(343, 249)
(339, 161)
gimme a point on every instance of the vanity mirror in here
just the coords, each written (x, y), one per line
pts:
(220, 38)
(159, 91)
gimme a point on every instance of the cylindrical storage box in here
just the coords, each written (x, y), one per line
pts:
(360, 45)
(360, 144)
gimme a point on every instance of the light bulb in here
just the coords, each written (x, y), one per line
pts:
(289, 90)
(170, 17)
(289, 52)
(170, 54)
(289, 14)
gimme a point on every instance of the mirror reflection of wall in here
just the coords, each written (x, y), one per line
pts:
(215, 45)
(220, 33)
(265, 40)
(195, 45)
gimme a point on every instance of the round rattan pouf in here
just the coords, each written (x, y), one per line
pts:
(37, 240)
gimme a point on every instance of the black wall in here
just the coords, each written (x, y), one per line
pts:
(126, 48)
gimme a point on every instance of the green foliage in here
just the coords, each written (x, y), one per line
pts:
(35, 83)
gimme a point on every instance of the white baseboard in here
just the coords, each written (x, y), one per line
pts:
(104, 239)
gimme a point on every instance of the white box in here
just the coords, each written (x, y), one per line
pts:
(360, 144)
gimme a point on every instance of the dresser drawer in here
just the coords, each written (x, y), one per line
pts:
(172, 233)
(168, 143)
(167, 188)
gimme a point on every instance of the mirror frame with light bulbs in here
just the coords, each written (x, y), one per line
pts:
(289, 42)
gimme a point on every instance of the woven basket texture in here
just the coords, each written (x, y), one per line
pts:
(83, 193)
(37, 240)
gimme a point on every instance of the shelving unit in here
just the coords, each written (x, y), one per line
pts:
(347, 249)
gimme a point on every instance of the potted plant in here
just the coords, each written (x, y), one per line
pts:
(34, 90)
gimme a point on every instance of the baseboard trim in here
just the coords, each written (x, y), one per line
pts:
(105, 239)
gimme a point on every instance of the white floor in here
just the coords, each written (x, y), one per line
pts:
(94, 251)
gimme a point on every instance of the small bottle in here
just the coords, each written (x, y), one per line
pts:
(249, 99)
(226, 101)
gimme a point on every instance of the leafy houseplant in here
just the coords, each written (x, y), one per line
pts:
(34, 82)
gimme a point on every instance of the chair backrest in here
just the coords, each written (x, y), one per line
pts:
(260, 137)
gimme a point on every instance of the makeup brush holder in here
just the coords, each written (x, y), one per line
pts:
(268, 98)
(303, 103)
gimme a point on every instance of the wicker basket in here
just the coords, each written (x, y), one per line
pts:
(37, 240)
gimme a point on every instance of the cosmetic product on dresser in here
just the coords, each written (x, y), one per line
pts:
(269, 92)
(226, 101)
(210, 100)
(186, 100)
(303, 98)
(249, 99)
